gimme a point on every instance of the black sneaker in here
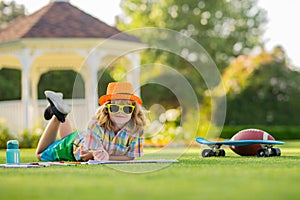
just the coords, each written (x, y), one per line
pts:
(48, 113)
(57, 106)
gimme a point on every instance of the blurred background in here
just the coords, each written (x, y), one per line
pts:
(252, 42)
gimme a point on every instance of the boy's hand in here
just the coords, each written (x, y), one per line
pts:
(101, 155)
(86, 155)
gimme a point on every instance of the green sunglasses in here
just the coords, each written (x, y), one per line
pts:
(115, 108)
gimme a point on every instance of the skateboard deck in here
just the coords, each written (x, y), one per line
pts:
(215, 147)
(238, 142)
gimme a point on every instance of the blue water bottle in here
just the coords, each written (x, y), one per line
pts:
(13, 152)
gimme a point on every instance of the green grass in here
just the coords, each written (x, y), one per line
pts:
(194, 177)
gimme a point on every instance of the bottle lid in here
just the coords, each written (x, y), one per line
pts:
(12, 144)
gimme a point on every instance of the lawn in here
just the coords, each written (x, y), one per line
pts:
(193, 177)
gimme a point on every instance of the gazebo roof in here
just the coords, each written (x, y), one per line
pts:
(60, 20)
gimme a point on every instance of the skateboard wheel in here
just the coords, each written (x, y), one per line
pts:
(221, 152)
(207, 153)
(263, 153)
(275, 152)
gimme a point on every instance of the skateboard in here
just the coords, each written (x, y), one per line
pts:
(267, 149)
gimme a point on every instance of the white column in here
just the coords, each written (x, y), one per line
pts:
(35, 77)
(133, 75)
(26, 62)
(25, 93)
(91, 85)
(34, 81)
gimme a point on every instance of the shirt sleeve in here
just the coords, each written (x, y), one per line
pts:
(136, 148)
(88, 140)
(93, 138)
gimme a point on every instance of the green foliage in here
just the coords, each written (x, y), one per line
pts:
(63, 81)
(163, 126)
(10, 84)
(5, 135)
(27, 138)
(30, 138)
(104, 78)
(57, 80)
(270, 97)
(9, 11)
(278, 132)
(168, 99)
(173, 126)
(225, 29)
(66, 80)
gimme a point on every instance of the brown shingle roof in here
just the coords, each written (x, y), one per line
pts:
(60, 20)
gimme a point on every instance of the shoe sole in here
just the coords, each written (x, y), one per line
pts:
(60, 116)
(58, 102)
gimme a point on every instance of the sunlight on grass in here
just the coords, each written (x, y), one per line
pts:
(231, 177)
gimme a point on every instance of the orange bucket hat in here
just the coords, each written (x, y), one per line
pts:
(119, 90)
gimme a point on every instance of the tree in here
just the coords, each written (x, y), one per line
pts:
(268, 94)
(63, 81)
(10, 11)
(70, 83)
(10, 84)
(10, 88)
(224, 28)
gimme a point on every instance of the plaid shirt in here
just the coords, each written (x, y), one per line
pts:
(98, 138)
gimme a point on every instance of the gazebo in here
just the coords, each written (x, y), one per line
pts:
(60, 36)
